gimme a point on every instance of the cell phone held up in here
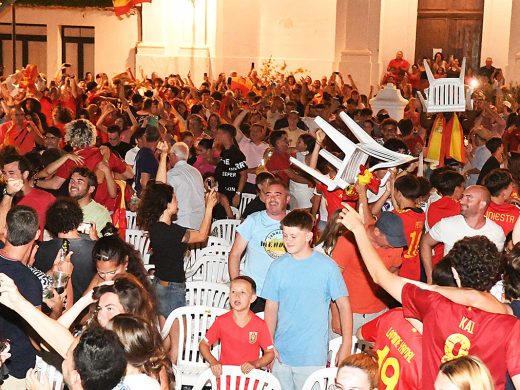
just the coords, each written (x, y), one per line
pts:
(65, 249)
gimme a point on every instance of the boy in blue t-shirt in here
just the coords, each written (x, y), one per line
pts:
(298, 288)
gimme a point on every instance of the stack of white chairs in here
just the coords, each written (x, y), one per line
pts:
(196, 250)
(209, 267)
(225, 229)
(194, 322)
(233, 378)
(201, 293)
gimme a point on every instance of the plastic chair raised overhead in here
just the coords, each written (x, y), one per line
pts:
(233, 378)
(200, 293)
(194, 322)
(355, 154)
(324, 377)
(225, 228)
(446, 94)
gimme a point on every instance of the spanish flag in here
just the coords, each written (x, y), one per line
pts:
(244, 84)
(122, 7)
(446, 141)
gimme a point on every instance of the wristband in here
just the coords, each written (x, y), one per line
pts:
(7, 193)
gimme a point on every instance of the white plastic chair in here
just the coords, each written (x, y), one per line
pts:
(209, 268)
(199, 293)
(131, 220)
(194, 322)
(196, 250)
(141, 242)
(324, 377)
(225, 228)
(334, 344)
(245, 199)
(54, 375)
(446, 94)
(258, 380)
(355, 154)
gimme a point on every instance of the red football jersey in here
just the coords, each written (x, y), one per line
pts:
(399, 350)
(443, 208)
(505, 215)
(413, 221)
(239, 345)
(334, 198)
(452, 330)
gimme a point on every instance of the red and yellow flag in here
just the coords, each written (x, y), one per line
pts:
(446, 141)
(122, 7)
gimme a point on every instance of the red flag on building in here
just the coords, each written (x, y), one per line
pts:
(122, 7)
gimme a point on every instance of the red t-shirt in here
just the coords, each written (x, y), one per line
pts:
(365, 296)
(21, 138)
(511, 137)
(399, 350)
(505, 215)
(92, 157)
(48, 106)
(452, 330)
(39, 200)
(413, 221)
(443, 208)
(239, 345)
(277, 164)
(334, 198)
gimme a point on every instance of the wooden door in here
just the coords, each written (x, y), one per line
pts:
(454, 26)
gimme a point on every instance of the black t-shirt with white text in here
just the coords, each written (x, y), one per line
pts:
(227, 173)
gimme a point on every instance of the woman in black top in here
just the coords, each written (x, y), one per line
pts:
(169, 242)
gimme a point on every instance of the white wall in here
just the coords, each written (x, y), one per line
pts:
(115, 37)
(495, 32)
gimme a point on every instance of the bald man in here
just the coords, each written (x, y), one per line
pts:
(471, 222)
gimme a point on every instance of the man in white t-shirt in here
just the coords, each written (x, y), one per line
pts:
(472, 222)
(253, 149)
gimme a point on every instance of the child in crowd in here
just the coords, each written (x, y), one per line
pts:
(242, 333)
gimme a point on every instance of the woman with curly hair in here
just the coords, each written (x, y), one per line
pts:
(169, 241)
(147, 359)
(81, 135)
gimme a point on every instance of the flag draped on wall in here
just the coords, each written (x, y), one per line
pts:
(446, 141)
(122, 7)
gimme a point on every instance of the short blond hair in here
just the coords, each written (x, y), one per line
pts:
(468, 372)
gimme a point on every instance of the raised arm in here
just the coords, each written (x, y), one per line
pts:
(164, 148)
(201, 235)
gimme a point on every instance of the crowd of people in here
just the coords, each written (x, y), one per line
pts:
(419, 262)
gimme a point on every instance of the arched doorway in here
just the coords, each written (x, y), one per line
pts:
(451, 25)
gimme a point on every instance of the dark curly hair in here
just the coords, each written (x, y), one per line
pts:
(477, 261)
(112, 248)
(63, 215)
(155, 199)
(511, 274)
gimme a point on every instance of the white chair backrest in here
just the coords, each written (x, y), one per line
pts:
(209, 268)
(445, 94)
(53, 374)
(233, 378)
(131, 220)
(225, 228)
(245, 199)
(195, 249)
(199, 293)
(324, 377)
(334, 344)
(235, 211)
(194, 322)
(139, 239)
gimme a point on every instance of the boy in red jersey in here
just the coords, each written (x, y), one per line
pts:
(452, 329)
(450, 185)
(241, 332)
(499, 182)
(406, 190)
